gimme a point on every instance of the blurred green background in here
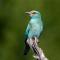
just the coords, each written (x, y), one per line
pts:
(13, 22)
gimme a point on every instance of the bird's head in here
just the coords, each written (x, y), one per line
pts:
(33, 13)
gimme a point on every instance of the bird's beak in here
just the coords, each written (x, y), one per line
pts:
(28, 13)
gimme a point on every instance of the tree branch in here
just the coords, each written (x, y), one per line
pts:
(33, 43)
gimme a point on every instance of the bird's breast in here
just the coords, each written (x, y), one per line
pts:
(36, 24)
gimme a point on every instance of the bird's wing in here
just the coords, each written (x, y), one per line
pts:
(28, 29)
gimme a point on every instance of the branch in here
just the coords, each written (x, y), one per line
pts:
(39, 55)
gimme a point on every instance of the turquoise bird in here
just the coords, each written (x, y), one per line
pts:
(34, 28)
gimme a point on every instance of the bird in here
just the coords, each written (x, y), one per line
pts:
(34, 28)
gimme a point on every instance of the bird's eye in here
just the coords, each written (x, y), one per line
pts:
(34, 13)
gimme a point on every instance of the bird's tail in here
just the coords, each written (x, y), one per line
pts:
(27, 48)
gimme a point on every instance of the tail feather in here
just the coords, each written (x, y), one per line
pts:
(27, 48)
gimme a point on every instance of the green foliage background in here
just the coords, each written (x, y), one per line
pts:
(13, 22)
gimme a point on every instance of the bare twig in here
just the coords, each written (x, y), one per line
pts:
(39, 55)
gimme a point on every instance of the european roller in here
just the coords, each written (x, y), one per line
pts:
(34, 28)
